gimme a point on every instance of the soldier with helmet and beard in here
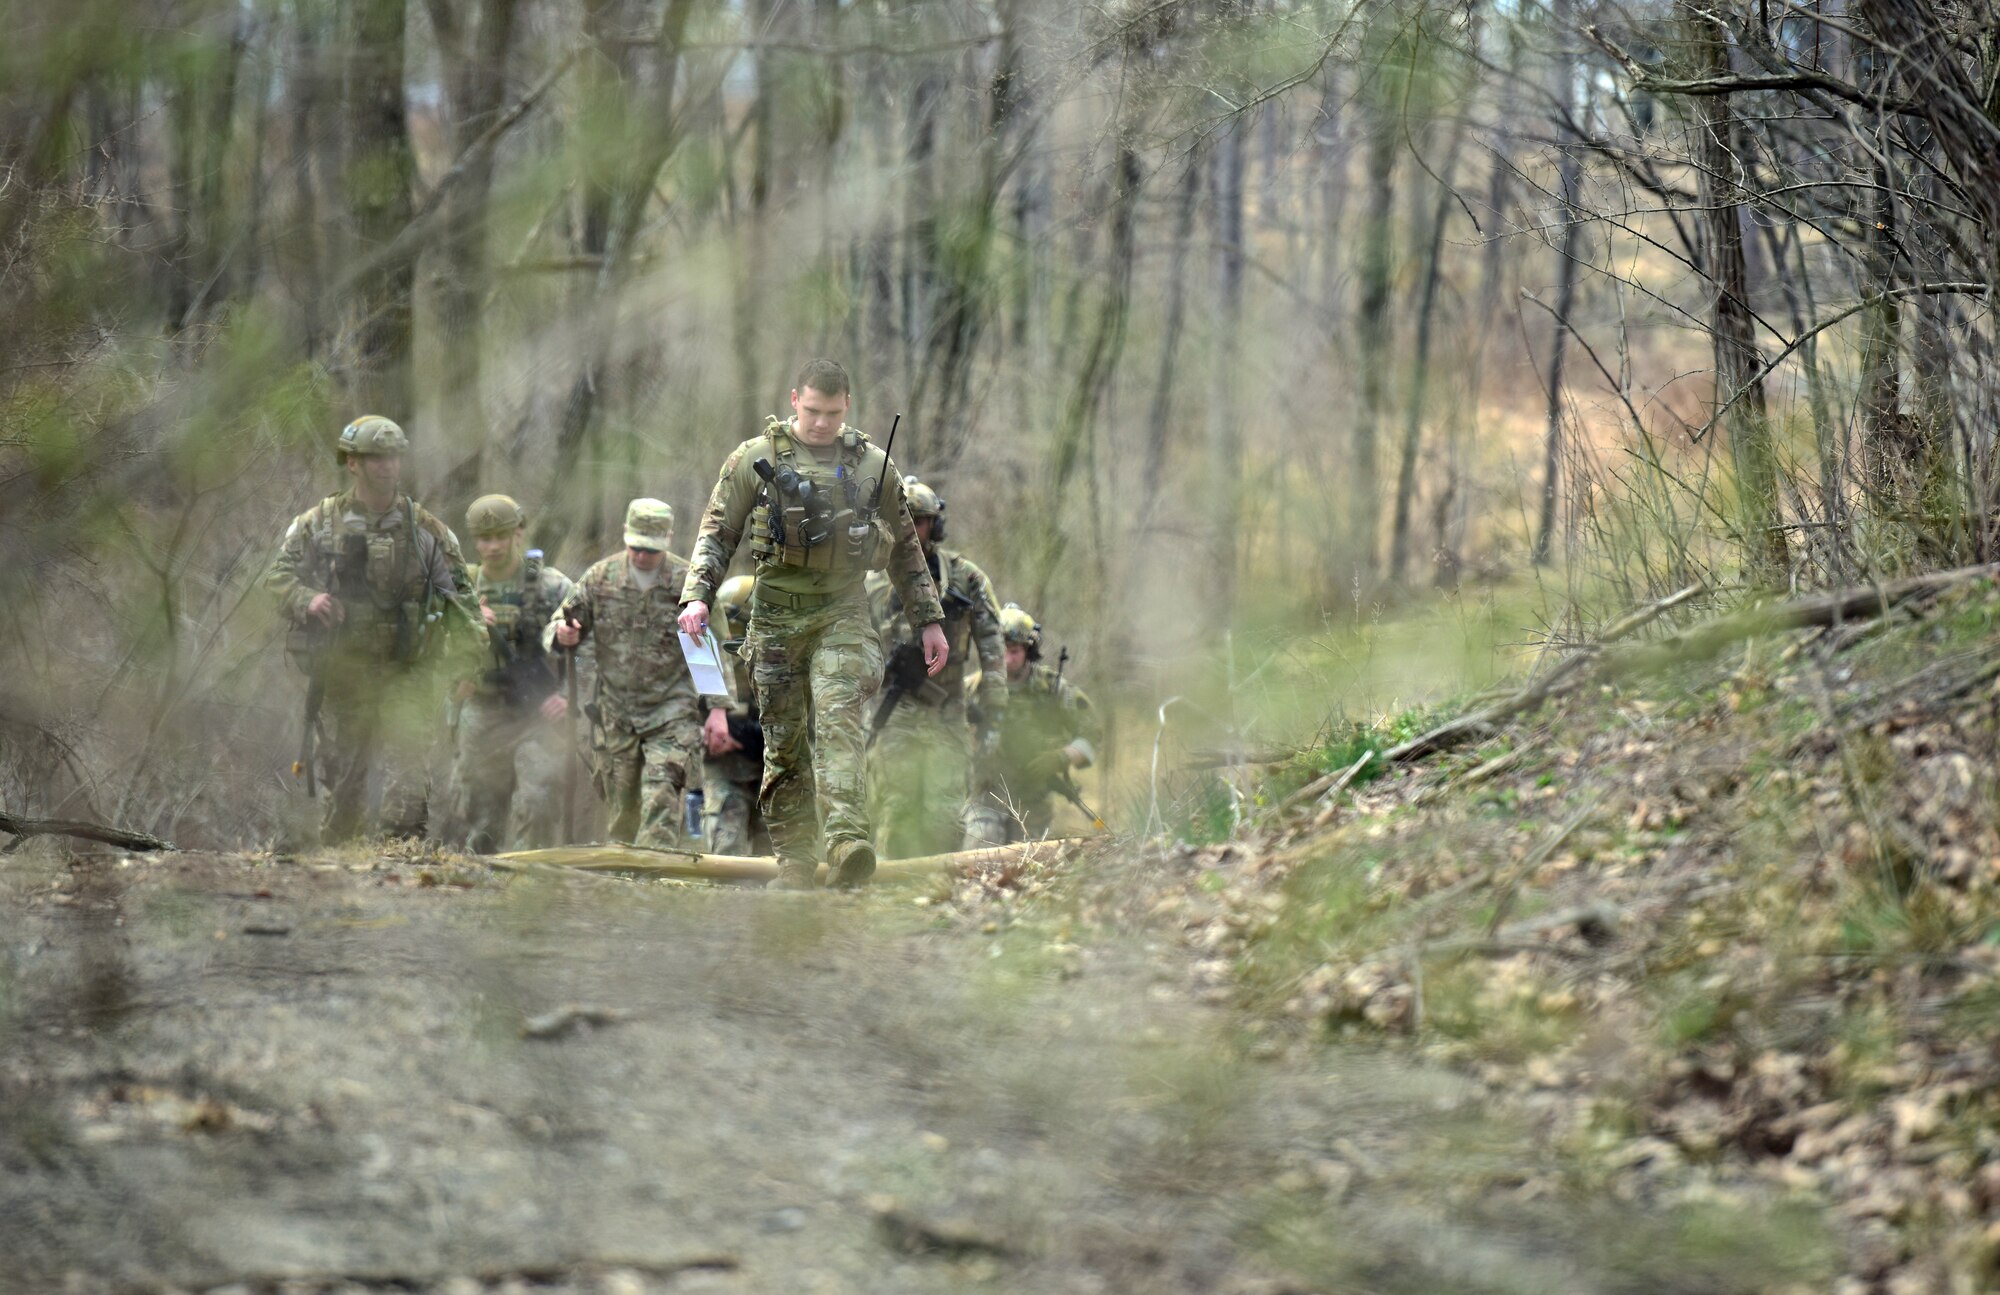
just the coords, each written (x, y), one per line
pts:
(511, 752)
(920, 758)
(380, 604)
(1049, 730)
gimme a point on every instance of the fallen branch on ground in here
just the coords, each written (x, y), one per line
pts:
(691, 865)
(27, 827)
(1595, 664)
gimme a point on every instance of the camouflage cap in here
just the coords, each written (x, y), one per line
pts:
(372, 434)
(735, 593)
(649, 524)
(494, 515)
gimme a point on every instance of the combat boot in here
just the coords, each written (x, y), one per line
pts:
(850, 864)
(794, 876)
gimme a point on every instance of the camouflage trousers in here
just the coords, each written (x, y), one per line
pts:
(511, 763)
(730, 821)
(916, 781)
(641, 777)
(377, 715)
(814, 671)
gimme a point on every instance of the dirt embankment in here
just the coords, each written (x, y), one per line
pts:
(1725, 931)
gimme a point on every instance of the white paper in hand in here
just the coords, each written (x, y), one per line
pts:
(705, 665)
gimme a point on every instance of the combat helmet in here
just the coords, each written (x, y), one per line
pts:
(925, 502)
(1017, 626)
(494, 515)
(371, 434)
(734, 596)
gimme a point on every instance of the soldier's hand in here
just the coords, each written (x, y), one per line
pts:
(464, 690)
(1047, 766)
(555, 706)
(326, 609)
(694, 620)
(485, 612)
(715, 733)
(935, 649)
(569, 634)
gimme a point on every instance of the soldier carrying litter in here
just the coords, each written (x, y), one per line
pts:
(381, 609)
(732, 762)
(1049, 731)
(511, 752)
(645, 730)
(919, 748)
(821, 506)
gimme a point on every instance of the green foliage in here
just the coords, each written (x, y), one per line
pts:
(1205, 812)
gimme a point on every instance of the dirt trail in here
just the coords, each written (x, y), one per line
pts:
(222, 1071)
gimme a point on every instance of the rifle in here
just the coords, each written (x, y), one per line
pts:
(1065, 784)
(902, 675)
(315, 696)
(904, 672)
(569, 765)
(347, 580)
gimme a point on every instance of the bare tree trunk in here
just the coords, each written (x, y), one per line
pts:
(1077, 429)
(1718, 148)
(1883, 437)
(749, 240)
(379, 168)
(1450, 511)
(1406, 477)
(202, 114)
(1566, 257)
(616, 195)
(1569, 176)
(1371, 328)
(1225, 432)
(304, 248)
(1159, 414)
(475, 65)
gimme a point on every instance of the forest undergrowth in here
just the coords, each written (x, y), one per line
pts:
(1726, 937)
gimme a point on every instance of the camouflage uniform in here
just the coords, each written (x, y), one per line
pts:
(814, 654)
(510, 756)
(398, 575)
(645, 730)
(1015, 796)
(921, 760)
(731, 822)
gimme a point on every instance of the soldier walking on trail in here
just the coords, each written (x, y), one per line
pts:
(920, 758)
(1048, 732)
(820, 506)
(645, 727)
(511, 750)
(372, 583)
(732, 762)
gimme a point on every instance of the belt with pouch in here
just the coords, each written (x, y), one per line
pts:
(777, 600)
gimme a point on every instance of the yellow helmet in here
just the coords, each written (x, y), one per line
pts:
(1017, 626)
(734, 595)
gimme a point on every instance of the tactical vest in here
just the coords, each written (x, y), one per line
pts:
(381, 579)
(850, 488)
(520, 612)
(958, 598)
